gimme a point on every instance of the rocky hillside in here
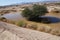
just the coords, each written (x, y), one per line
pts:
(13, 32)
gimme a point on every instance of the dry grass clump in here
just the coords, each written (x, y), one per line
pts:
(55, 31)
(36, 26)
(44, 29)
(26, 25)
(48, 29)
(32, 26)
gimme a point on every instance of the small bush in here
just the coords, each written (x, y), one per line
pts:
(21, 24)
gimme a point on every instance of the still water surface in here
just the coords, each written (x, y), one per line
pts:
(13, 16)
(18, 16)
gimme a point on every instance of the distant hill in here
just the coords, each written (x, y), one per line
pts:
(29, 3)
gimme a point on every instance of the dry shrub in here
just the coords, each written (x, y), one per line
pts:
(44, 29)
(55, 32)
(32, 26)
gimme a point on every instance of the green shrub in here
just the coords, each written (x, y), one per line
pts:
(21, 24)
(27, 13)
(36, 11)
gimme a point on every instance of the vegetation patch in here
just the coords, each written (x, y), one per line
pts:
(35, 13)
(21, 24)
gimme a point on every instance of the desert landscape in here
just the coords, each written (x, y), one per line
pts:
(14, 26)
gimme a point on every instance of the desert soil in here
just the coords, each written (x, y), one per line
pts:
(13, 32)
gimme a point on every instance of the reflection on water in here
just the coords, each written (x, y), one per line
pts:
(13, 16)
(52, 19)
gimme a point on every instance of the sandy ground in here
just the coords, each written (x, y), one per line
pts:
(13, 32)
